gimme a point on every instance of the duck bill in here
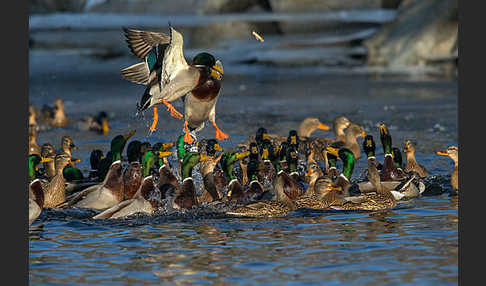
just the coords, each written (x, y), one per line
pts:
(242, 155)
(323, 126)
(105, 128)
(308, 173)
(383, 129)
(293, 140)
(129, 135)
(164, 154)
(217, 71)
(363, 134)
(204, 157)
(217, 147)
(168, 145)
(265, 154)
(407, 147)
(335, 188)
(369, 143)
(44, 159)
(74, 160)
(332, 150)
(74, 147)
(265, 136)
(443, 153)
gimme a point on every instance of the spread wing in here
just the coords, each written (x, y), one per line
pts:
(142, 42)
(174, 59)
(137, 73)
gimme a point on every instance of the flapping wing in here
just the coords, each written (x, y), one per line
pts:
(173, 58)
(137, 73)
(142, 42)
(183, 82)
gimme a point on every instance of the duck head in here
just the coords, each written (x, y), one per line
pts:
(212, 147)
(118, 144)
(451, 152)
(397, 157)
(386, 139)
(369, 146)
(208, 61)
(309, 125)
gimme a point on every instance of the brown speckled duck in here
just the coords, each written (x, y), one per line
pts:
(281, 205)
(55, 190)
(350, 140)
(412, 164)
(453, 153)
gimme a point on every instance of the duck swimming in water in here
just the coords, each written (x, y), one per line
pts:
(453, 153)
(412, 164)
(170, 77)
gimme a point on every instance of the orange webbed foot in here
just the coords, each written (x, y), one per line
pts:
(156, 119)
(187, 137)
(171, 108)
(220, 135)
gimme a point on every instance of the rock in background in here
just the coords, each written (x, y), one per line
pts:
(424, 33)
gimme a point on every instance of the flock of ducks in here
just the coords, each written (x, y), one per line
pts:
(266, 176)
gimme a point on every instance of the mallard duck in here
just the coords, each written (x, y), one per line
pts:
(347, 156)
(185, 196)
(339, 124)
(47, 151)
(350, 142)
(211, 191)
(170, 78)
(412, 164)
(389, 171)
(309, 125)
(55, 190)
(34, 161)
(321, 193)
(101, 196)
(379, 200)
(95, 158)
(32, 115)
(36, 200)
(132, 179)
(53, 116)
(149, 158)
(33, 147)
(115, 154)
(162, 147)
(227, 162)
(98, 123)
(281, 205)
(369, 147)
(148, 200)
(453, 153)
(397, 159)
(407, 187)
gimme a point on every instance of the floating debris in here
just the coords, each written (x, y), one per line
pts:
(258, 37)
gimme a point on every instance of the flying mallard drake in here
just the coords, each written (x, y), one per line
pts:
(168, 77)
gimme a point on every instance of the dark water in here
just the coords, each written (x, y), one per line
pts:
(416, 244)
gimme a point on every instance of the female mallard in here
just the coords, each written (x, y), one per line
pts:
(170, 78)
(52, 116)
(280, 206)
(453, 153)
(339, 124)
(148, 200)
(321, 193)
(33, 147)
(47, 151)
(412, 164)
(379, 200)
(55, 190)
(36, 200)
(350, 141)
(98, 123)
(206, 168)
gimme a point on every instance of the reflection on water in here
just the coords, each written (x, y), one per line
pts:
(412, 245)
